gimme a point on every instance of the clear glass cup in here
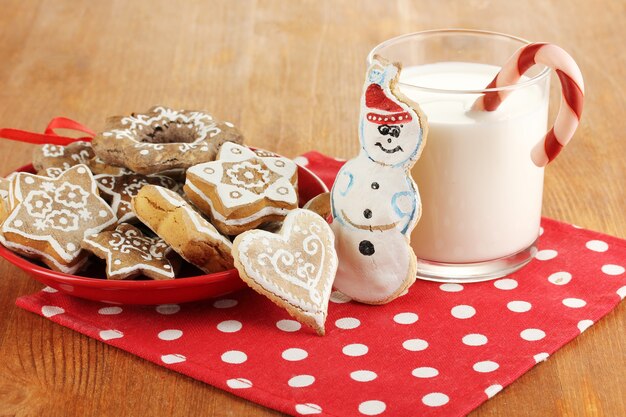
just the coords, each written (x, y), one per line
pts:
(481, 193)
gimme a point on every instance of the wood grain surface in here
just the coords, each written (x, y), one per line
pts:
(289, 73)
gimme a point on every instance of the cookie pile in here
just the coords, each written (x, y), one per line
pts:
(156, 190)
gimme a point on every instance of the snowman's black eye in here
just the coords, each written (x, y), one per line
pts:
(383, 130)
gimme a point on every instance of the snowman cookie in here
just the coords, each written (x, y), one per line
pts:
(294, 268)
(374, 201)
(51, 160)
(242, 189)
(169, 216)
(51, 216)
(128, 253)
(162, 139)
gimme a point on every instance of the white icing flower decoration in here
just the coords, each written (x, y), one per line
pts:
(38, 204)
(71, 195)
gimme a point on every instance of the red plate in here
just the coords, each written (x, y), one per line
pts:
(179, 290)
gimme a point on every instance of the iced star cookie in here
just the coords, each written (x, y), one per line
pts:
(51, 160)
(162, 139)
(128, 253)
(241, 189)
(184, 229)
(120, 189)
(294, 268)
(51, 216)
(374, 201)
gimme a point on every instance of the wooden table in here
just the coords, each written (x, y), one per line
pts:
(290, 75)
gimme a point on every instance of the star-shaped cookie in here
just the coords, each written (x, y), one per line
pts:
(51, 160)
(129, 253)
(51, 216)
(121, 188)
(243, 189)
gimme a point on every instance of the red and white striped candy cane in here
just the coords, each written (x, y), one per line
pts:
(572, 89)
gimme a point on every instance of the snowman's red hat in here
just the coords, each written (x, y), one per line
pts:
(391, 113)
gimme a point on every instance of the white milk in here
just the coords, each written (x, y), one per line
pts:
(480, 191)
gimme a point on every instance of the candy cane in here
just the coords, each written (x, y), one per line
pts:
(572, 89)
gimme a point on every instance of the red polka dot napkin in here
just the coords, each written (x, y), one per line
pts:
(439, 350)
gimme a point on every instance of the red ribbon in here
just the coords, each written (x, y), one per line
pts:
(49, 135)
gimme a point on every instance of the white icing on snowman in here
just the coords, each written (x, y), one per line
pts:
(375, 203)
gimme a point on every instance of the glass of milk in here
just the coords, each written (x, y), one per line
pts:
(480, 191)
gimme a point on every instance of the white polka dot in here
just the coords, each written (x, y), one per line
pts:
(451, 287)
(372, 407)
(81, 170)
(225, 303)
(355, 349)
(170, 334)
(485, 366)
(71, 247)
(560, 278)
(18, 223)
(348, 323)
(173, 358)
(363, 376)
(622, 292)
(49, 290)
(546, 254)
(574, 302)
(540, 357)
(463, 311)
(110, 311)
(532, 335)
(519, 306)
(425, 372)
(611, 269)
(308, 408)
(435, 399)
(597, 246)
(474, 339)
(505, 284)
(110, 334)
(415, 345)
(103, 213)
(168, 309)
(288, 325)
(234, 357)
(294, 354)
(239, 383)
(229, 326)
(301, 160)
(29, 180)
(584, 325)
(301, 381)
(493, 390)
(405, 318)
(339, 298)
(144, 152)
(117, 262)
(49, 311)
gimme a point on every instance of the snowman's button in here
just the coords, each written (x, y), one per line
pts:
(375, 186)
(366, 248)
(367, 213)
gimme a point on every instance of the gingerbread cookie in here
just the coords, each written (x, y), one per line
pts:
(375, 204)
(51, 216)
(120, 189)
(5, 185)
(51, 160)
(241, 190)
(320, 204)
(181, 227)
(98, 166)
(163, 139)
(294, 268)
(128, 253)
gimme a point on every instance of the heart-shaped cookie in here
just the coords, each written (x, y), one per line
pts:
(294, 268)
